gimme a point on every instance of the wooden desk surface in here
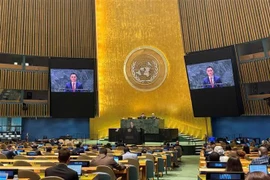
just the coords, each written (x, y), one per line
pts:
(43, 168)
(83, 177)
(54, 157)
(28, 160)
(205, 170)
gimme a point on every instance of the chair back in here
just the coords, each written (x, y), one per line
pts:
(132, 173)
(160, 164)
(1, 164)
(168, 160)
(21, 163)
(150, 156)
(103, 176)
(2, 156)
(174, 159)
(31, 175)
(20, 157)
(106, 169)
(149, 169)
(136, 164)
(52, 178)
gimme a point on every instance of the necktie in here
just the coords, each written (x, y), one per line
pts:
(73, 87)
(211, 82)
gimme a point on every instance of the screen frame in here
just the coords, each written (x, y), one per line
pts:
(262, 165)
(71, 63)
(213, 55)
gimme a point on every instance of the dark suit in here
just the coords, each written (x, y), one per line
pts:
(10, 154)
(207, 84)
(77, 151)
(68, 87)
(103, 159)
(61, 170)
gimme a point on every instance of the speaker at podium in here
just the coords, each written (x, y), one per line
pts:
(127, 135)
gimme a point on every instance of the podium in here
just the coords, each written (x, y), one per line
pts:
(127, 135)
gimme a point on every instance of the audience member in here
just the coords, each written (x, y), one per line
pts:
(9, 152)
(219, 150)
(61, 170)
(49, 150)
(257, 176)
(228, 147)
(225, 157)
(241, 154)
(142, 116)
(214, 156)
(264, 158)
(78, 149)
(234, 164)
(94, 148)
(103, 159)
(246, 149)
(128, 155)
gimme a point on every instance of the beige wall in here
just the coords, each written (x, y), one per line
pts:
(123, 25)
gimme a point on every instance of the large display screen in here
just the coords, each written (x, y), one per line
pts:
(73, 88)
(72, 80)
(214, 83)
(215, 74)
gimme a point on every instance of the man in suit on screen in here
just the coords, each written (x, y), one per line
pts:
(73, 85)
(211, 81)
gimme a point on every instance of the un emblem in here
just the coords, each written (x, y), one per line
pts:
(145, 68)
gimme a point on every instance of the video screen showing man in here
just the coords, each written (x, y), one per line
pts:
(211, 81)
(214, 74)
(72, 80)
(73, 85)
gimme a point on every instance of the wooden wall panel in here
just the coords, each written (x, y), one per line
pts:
(16, 110)
(26, 80)
(64, 28)
(210, 24)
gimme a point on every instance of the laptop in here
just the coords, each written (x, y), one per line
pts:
(225, 175)
(31, 153)
(116, 158)
(77, 168)
(10, 172)
(82, 163)
(3, 176)
(216, 164)
(258, 167)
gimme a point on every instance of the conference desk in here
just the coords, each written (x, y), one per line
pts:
(55, 157)
(205, 170)
(30, 161)
(244, 163)
(38, 169)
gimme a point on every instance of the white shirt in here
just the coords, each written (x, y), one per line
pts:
(74, 85)
(129, 155)
(211, 78)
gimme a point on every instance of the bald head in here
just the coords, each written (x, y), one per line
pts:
(263, 151)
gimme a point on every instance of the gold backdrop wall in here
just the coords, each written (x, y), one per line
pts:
(121, 27)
